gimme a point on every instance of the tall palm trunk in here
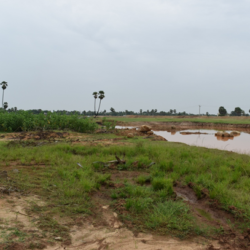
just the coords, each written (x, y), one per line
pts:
(95, 108)
(2, 98)
(98, 108)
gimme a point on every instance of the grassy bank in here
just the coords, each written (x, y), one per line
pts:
(202, 119)
(142, 193)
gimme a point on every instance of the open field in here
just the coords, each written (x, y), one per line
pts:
(195, 119)
(63, 189)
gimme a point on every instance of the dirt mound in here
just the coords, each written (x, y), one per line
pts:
(145, 128)
(224, 134)
(135, 132)
(39, 135)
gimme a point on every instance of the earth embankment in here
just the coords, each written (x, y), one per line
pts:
(187, 125)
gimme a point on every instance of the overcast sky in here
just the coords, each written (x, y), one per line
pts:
(145, 54)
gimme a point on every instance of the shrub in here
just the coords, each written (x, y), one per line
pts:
(142, 179)
(138, 205)
(163, 183)
(26, 121)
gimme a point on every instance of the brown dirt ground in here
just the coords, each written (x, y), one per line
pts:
(102, 232)
(125, 132)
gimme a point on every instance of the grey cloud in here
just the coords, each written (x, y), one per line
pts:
(143, 54)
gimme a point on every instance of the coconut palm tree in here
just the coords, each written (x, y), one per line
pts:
(5, 105)
(4, 86)
(95, 96)
(100, 96)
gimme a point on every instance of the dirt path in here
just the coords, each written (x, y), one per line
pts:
(20, 231)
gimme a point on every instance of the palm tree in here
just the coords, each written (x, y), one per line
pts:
(95, 96)
(5, 105)
(4, 86)
(100, 96)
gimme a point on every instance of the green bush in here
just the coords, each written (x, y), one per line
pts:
(138, 205)
(142, 179)
(163, 183)
(26, 121)
(170, 214)
(108, 124)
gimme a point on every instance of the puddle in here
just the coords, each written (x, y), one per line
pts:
(206, 138)
(125, 127)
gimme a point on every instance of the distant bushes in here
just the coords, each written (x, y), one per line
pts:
(26, 121)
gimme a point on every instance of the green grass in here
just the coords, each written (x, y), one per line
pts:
(52, 172)
(216, 120)
(26, 121)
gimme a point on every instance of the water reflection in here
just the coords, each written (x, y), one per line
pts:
(220, 138)
(240, 143)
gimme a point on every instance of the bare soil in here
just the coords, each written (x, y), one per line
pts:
(103, 231)
(125, 132)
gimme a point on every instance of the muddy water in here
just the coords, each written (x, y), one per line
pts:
(207, 138)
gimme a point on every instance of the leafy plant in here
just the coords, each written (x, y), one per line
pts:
(26, 121)
(108, 124)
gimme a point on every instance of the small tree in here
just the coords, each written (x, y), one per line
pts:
(4, 86)
(222, 111)
(238, 111)
(5, 105)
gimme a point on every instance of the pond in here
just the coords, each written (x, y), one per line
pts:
(207, 138)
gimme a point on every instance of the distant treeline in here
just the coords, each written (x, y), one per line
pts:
(153, 112)
(113, 112)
